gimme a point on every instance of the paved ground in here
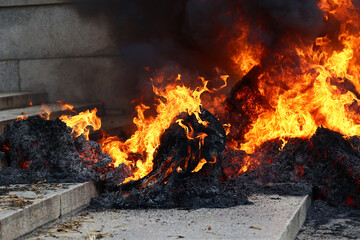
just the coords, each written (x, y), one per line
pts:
(326, 222)
(268, 218)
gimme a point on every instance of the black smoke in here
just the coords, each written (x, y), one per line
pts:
(194, 35)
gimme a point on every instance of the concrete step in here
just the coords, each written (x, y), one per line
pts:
(270, 217)
(10, 100)
(25, 207)
(12, 114)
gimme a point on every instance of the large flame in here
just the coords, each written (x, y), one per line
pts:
(138, 151)
(309, 84)
(321, 91)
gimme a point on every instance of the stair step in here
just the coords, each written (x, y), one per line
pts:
(12, 114)
(10, 100)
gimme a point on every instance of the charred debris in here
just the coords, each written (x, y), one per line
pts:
(326, 164)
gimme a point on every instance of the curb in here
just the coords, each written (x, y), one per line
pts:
(297, 220)
(23, 208)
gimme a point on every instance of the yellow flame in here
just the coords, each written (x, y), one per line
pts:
(314, 98)
(83, 122)
(172, 100)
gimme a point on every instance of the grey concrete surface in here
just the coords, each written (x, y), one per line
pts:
(12, 114)
(267, 218)
(52, 31)
(47, 45)
(330, 222)
(12, 3)
(71, 200)
(21, 99)
(295, 222)
(24, 208)
(9, 76)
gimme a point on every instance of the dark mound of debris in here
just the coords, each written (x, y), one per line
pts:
(328, 161)
(191, 168)
(174, 181)
(244, 105)
(37, 149)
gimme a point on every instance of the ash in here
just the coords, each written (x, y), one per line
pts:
(38, 149)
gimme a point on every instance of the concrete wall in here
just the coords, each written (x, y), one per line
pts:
(45, 45)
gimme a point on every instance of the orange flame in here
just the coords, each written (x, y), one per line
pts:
(46, 111)
(200, 165)
(83, 122)
(66, 106)
(313, 95)
(172, 100)
(22, 116)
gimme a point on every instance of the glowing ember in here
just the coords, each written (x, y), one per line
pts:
(199, 166)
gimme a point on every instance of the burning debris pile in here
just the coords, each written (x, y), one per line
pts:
(328, 162)
(43, 150)
(187, 167)
(292, 120)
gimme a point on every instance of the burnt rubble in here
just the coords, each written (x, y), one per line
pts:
(328, 162)
(327, 165)
(38, 149)
(167, 186)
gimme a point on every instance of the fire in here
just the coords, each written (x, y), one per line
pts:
(172, 100)
(83, 122)
(66, 106)
(245, 54)
(46, 111)
(322, 91)
(310, 84)
(22, 116)
(200, 165)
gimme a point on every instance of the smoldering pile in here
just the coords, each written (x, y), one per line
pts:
(174, 181)
(328, 163)
(37, 149)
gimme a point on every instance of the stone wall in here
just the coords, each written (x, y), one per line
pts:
(46, 45)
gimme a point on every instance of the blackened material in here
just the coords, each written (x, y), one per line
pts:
(328, 161)
(39, 149)
(173, 181)
(244, 105)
